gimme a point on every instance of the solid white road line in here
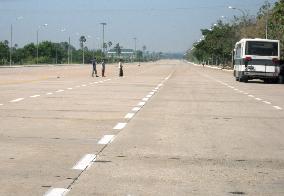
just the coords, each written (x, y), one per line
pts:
(277, 107)
(57, 192)
(34, 96)
(119, 126)
(17, 100)
(59, 91)
(85, 162)
(141, 103)
(106, 139)
(145, 99)
(136, 109)
(129, 115)
(267, 102)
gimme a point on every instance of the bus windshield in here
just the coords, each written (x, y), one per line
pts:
(261, 48)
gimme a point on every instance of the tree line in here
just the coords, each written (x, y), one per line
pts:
(217, 43)
(48, 52)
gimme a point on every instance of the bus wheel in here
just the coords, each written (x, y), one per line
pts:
(237, 78)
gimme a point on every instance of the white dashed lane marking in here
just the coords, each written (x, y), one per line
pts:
(141, 103)
(249, 95)
(69, 88)
(85, 162)
(59, 91)
(148, 96)
(57, 192)
(267, 102)
(34, 96)
(1, 104)
(106, 139)
(119, 126)
(17, 100)
(129, 115)
(136, 109)
(277, 107)
(49, 93)
(145, 99)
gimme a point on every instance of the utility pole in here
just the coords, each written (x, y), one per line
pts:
(11, 45)
(135, 42)
(69, 50)
(103, 46)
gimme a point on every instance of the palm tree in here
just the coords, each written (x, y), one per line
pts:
(109, 44)
(117, 49)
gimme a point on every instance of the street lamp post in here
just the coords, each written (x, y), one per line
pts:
(11, 45)
(242, 11)
(45, 25)
(11, 39)
(103, 46)
(135, 42)
(234, 8)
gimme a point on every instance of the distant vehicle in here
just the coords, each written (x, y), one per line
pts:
(257, 59)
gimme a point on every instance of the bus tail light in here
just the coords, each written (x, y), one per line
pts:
(275, 61)
(248, 58)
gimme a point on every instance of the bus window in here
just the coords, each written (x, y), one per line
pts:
(238, 53)
(262, 48)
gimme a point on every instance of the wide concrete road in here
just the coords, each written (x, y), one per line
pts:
(166, 128)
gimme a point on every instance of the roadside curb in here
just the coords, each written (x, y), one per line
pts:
(211, 67)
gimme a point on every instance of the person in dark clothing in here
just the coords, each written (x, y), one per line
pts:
(103, 68)
(94, 68)
(120, 66)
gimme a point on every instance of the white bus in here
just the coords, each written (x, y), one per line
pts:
(256, 59)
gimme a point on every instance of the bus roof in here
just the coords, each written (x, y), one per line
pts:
(256, 39)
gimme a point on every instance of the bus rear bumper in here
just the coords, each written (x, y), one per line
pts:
(260, 75)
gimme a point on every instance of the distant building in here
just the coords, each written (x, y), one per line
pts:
(125, 53)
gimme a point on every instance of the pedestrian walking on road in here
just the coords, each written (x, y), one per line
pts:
(94, 68)
(103, 68)
(120, 66)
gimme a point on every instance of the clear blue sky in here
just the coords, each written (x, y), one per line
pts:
(160, 25)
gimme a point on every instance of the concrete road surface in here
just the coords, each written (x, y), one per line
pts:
(166, 128)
